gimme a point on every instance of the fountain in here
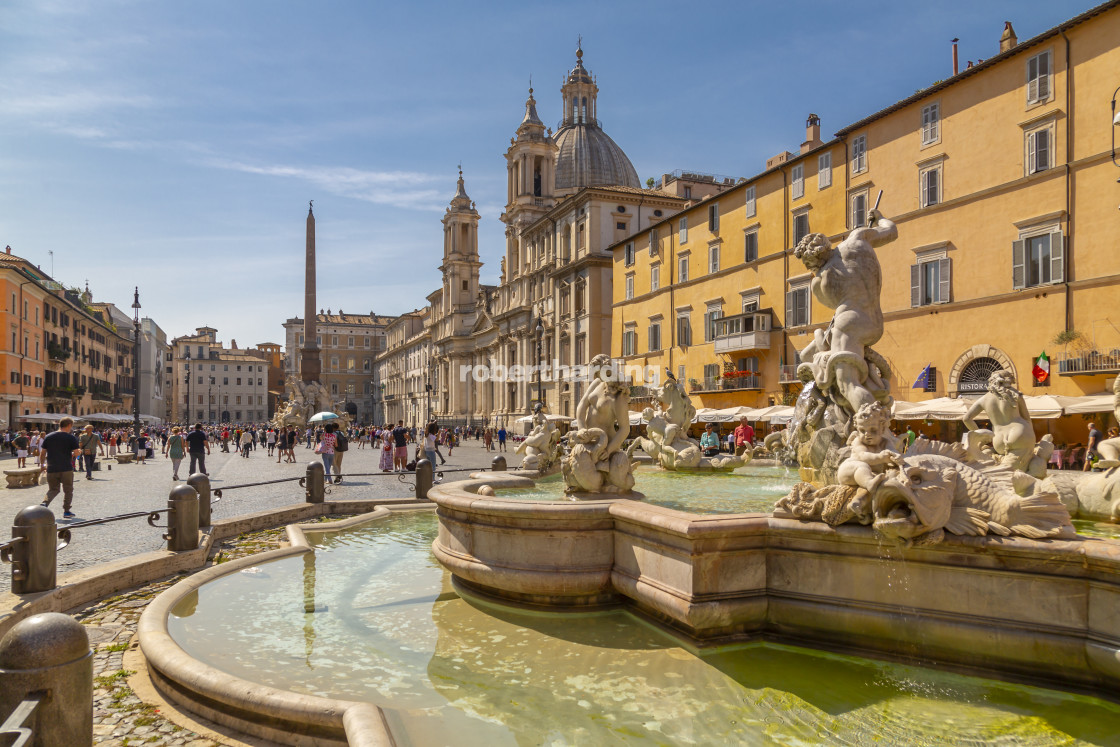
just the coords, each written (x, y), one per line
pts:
(523, 612)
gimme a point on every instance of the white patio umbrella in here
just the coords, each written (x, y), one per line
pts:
(1086, 404)
(322, 417)
(1043, 406)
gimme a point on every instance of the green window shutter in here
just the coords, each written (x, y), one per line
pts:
(915, 285)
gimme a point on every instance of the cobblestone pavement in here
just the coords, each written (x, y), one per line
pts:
(120, 717)
(130, 487)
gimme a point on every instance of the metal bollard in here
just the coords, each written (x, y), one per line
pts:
(498, 464)
(314, 482)
(201, 484)
(35, 560)
(182, 520)
(48, 655)
(425, 475)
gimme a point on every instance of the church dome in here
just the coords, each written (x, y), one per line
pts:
(588, 157)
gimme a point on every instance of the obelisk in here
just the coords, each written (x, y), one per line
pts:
(310, 365)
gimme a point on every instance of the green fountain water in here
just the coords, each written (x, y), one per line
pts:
(371, 616)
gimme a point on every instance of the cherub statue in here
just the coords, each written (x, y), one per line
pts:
(872, 449)
(1011, 435)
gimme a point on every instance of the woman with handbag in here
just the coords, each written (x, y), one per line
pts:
(89, 443)
(175, 449)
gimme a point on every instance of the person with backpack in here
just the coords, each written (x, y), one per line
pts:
(341, 445)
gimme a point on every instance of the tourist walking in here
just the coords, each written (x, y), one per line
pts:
(90, 443)
(1095, 438)
(22, 443)
(196, 442)
(175, 448)
(141, 448)
(325, 449)
(246, 443)
(430, 443)
(400, 447)
(341, 445)
(56, 456)
(386, 463)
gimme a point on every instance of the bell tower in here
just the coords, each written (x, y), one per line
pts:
(531, 180)
(579, 94)
(461, 264)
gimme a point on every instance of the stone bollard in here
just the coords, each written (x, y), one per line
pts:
(314, 482)
(201, 484)
(498, 464)
(34, 561)
(182, 520)
(49, 653)
(425, 476)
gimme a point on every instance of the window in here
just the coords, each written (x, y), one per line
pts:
(800, 227)
(931, 123)
(859, 154)
(225, 380)
(713, 218)
(711, 374)
(713, 258)
(684, 230)
(797, 306)
(858, 210)
(629, 341)
(797, 180)
(751, 207)
(1038, 78)
(1038, 260)
(238, 381)
(629, 286)
(687, 192)
(1039, 146)
(652, 243)
(682, 269)
(620, 225)
(930, 282)
(628, 254)
(654, 336)
(238, 398)
(824, 170)
(750, 246)
(654, 278)
(684, 329)
(750, 302)
(714, 312)
(929, 181)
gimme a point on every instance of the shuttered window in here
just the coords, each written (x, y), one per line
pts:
(682, 269)
(684, 329)
(1038, 78)
(824, 170)
(797, 178)
(929, 182)
(750, 248)
(654, 277)
(748, 195)
(1038, 260)
(713, 218)
(684, 230)
(655, 337)
(859, 210)
(931, 123)
(930, 282)
(1038, 150)
(859, 154)
(713, 258)
(797, 306)
(800, 227)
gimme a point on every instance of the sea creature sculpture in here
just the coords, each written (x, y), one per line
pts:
(931, 490)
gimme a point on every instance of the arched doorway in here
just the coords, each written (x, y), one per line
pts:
(971, 370)
(225, 416)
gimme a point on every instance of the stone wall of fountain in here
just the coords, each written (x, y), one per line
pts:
(1003, 606)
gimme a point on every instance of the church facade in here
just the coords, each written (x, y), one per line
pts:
(571, 194)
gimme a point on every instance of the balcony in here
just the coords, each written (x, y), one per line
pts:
(729, 382)
(750, 331)
(1093, 362)
(102, 396)
(63, 392)
(788, 375)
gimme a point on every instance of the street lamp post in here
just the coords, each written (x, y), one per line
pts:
(428, 387)
(540, 362)
(136, 364)
(210, 400)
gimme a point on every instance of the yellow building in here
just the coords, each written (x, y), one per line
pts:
(1001, 183)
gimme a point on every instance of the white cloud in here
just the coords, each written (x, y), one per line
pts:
(402, 189)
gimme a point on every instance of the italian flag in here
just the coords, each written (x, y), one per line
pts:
(1041, 368)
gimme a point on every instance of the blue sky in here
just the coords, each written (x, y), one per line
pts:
(174, 145)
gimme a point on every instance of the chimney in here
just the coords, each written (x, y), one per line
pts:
(956, 63)
(1008, 39)
(8, 249)
(812, 133)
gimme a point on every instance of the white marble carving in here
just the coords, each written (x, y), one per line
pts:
(595, 462)
(542, 446)
(1011, 436)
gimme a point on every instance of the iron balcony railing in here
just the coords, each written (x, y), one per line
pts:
(729, 383)
(1092, 362)
(788, 374)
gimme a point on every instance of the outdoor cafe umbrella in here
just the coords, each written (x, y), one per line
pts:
(321, 417)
